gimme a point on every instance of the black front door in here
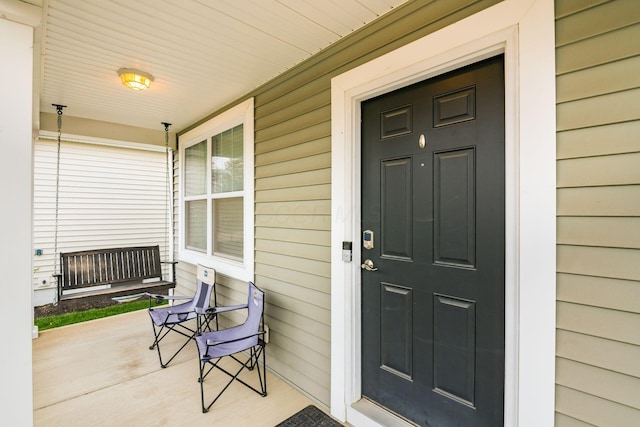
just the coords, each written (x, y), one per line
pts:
(433, 248)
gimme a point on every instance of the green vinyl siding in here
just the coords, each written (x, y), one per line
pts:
(293, 189)
(598, 227)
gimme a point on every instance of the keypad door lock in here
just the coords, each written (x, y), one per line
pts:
(367, 239)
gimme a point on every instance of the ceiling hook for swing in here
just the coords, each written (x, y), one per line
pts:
(166, 134)
(59, 108)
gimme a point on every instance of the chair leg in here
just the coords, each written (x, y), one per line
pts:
(251, 363)
(201, 381)
(204, 375)
(263, 380)
(161, 332)
(255, 362)
(204, 323)
(253, 356)
(158, 336)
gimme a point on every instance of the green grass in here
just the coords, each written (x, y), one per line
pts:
(50, 322)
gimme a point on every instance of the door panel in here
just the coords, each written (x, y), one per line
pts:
(454, 221)
(433, 196)
(397, 330)
(454, 348)
(397, 209)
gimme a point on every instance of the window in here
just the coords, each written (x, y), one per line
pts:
(216, 198)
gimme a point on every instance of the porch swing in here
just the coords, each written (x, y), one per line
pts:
(97, 276)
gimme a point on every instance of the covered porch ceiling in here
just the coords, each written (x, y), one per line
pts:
(203, 54)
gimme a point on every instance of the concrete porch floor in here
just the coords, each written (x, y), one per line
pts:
(102, 373)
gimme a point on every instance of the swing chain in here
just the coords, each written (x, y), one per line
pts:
(55, 234)
(169, 200)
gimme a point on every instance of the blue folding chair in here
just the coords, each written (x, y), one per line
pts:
(247, 337)
(180, 318)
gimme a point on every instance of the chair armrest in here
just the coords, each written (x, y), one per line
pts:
(167, 297)
(159, 298)
(169, 262)
(215, 343)
(170, 312)
(128, 298)
(223, 309)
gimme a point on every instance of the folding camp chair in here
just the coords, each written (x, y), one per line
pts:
(180, 318)
(249, 336)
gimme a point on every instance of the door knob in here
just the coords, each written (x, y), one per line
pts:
(368, 265)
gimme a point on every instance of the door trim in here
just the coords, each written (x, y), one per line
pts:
(523, 30)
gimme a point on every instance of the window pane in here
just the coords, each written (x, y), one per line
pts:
(196, 225)
(228, 218)
(227, 161)
(195, 163)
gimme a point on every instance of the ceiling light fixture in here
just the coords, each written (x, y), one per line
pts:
(135, 79)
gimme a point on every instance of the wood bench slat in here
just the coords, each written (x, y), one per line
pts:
(110, 266)
(123, 288)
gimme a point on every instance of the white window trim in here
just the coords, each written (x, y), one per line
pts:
(242, 113)
(524, 31)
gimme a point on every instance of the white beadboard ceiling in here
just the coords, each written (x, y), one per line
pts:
(202, 53)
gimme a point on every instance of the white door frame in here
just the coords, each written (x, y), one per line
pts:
(523, 30)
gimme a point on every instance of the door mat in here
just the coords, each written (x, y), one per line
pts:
(310, 417)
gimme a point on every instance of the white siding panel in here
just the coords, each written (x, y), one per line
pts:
(108, 197)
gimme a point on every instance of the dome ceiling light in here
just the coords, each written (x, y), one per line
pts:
(135, 79)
